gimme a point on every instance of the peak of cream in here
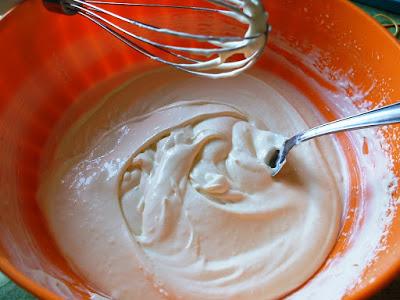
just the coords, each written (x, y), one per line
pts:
(176, 201)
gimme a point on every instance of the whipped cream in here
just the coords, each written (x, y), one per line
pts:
(251, 13)
(152, 198)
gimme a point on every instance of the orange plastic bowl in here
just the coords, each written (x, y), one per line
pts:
(49, 60)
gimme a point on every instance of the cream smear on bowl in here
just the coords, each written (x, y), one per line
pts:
(162, 190)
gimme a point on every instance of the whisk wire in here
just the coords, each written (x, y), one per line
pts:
(95, 18)
(210, 55)
(198, 37)
(192, 50)
(249, 61)
(205, 9)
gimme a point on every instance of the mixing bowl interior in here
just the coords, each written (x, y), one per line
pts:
(50, 61)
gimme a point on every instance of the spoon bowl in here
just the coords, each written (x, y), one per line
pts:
(385, 115)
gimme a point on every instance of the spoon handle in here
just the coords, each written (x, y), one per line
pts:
(389, 114)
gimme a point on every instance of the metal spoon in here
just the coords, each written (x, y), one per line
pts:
(385, 115)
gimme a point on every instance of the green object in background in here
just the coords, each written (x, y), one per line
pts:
(389, 5)
(10, 291)
(374, 11)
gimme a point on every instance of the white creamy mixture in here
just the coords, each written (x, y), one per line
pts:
(150, 197)
(250, 45)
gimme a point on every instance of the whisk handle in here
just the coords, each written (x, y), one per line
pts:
(59, 6)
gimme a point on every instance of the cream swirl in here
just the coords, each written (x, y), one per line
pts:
(221, 159)
(200, 200)
(179, 202)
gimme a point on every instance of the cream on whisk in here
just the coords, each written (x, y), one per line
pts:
(254, 40)
(207, 55)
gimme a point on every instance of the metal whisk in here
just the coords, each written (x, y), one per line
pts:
(212, 56)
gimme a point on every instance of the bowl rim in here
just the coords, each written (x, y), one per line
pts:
(366, 291)
(386, 277)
